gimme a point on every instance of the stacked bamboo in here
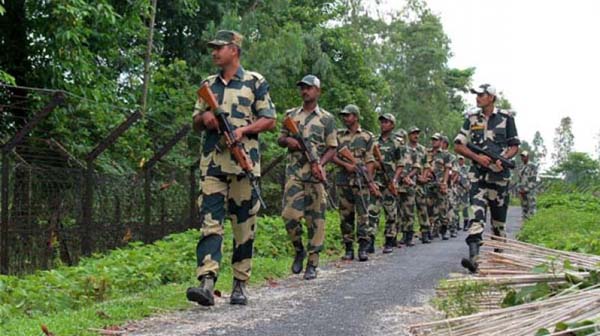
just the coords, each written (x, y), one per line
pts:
(525, 319)
(516, 266)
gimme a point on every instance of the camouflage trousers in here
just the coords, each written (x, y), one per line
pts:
(232, 194)
(413, 202)
(351, 211)
(308, 201)
(454, 209)
(464, 204)
(484, 195)
(528, 205)
(438, 209)
(389, 204)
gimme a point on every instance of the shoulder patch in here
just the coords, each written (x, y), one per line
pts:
(294, 109)
(509, 113)
(472, 111)
(256, 75)
(210, 79)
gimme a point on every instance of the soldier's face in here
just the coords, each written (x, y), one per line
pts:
(525, 159)
(484, 100)
(349, 119)
(309, 93)
(461, 162)
(386, 125)
(414, 136)
(223, 55)
(436, 143)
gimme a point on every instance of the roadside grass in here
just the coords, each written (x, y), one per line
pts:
(137, 281)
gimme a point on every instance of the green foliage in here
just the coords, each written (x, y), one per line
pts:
(579, 168)
(461, 298)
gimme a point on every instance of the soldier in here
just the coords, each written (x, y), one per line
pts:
(437, 186)
(244, 98)
(453, 194)
(464, 187)
(527, 185)
(387, 179)
(354, 199)
(304, 193)
(414, 198)
(493, 130)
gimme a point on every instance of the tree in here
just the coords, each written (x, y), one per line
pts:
(563, 141)
(539, 148)
(579, 168)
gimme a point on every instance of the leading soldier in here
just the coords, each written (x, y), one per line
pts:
(244, 99)
(304, 195)
(493, 130)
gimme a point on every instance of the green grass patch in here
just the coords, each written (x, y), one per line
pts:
(137, 281)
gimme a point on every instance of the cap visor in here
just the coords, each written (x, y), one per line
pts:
(477, 91)
(303, 83)
(217, 43)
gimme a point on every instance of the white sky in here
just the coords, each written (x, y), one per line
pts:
(543, 54)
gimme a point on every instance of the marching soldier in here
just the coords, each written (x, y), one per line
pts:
(527, 186)
(437, 186)
(493, 130)
(414, 163)
(388, 152)
(304, 193)
(355, 181)
(453, 191)
(243, 97)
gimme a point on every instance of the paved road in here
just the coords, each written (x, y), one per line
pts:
(378, 297)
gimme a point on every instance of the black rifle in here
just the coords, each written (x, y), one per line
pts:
(478, 150)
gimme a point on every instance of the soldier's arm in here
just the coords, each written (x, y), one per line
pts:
(330, 140)
(264, 110)
(328, 155)
(512, 138)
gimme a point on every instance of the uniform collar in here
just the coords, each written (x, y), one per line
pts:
(239, 74)
(316, 111)
(358, 130)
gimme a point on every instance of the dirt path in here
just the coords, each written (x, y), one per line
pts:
(378, 297)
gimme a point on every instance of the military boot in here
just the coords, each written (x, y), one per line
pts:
(444, 231)
(371, 248)
(310, 272)
(349, 255)
(453, 233)
(203, 295)
(471, 263)
(389, 245)
(239, 295)
(425, 237)
(409, 238)
(297, 265)
(465, 225)
(363, 246)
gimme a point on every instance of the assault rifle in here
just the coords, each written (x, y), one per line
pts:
(390, 185)
(234, 145)
(292, 126)
(361, 171)
(478, 150)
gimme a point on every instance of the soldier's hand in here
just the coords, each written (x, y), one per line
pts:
(210, 121)
(318, 172)
(499, 165)
(374, 189)
(484, 160)
(238, 133)
(422, 179)
(444, 188)
(377, 165)
(350, 167)
(392, 188)
(293, 144)
(408, 181)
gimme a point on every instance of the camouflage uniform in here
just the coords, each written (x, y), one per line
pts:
(244, 98)
(464, 186)
(361, 145)
(527, 184)
(438, 202)
(413, 198)
(488, 188)
(303, 195)
(392, 153)
(453, 197)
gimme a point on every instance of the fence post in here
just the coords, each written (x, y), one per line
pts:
(88, 201)
(4, 260)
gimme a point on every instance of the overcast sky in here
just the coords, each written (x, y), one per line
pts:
(543, 54)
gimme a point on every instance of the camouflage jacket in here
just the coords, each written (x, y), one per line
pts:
(318, 128)
(464, 183)
(392, 153)
(361, 145)
(414, 157)
(244, 99)
(528, 177)
(495, 134)
(438, 162)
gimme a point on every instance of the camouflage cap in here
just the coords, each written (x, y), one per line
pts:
(400, 133)
(445, 139)
(413, 129)
(388, 116)
(310, 80)
(351, 109)
(484, 88)
(225, 37)
(460, 157)
(524, 153)
(436, 136)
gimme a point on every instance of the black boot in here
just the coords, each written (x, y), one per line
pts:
(444, 231)
(466, 225)
(371, 248)
(363, 246)
(409, 238)
(203, 295)
(470, 263)
(239, 295)
(298, 263)
(349, 252)
(425, 237)
(311, 271)
(453, 233)
(389, 245)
